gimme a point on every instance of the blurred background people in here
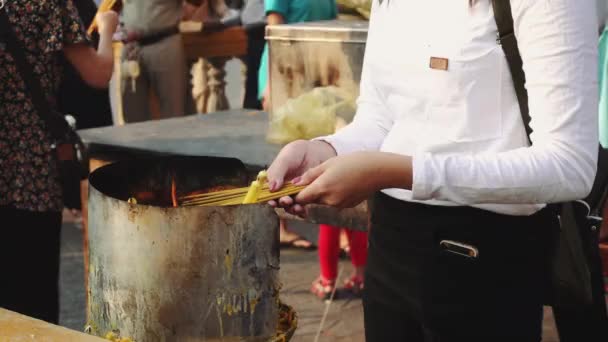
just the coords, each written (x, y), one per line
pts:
(30, 190)
(153, 61)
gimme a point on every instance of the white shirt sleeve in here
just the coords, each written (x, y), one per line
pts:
(558, 44)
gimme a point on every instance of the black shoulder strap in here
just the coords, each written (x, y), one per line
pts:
(56, 124)
(506, 38)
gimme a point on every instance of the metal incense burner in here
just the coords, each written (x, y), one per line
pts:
(164, 273)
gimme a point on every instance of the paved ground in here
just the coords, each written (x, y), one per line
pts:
(298, 269)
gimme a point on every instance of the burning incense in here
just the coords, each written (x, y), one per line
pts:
(173, 192)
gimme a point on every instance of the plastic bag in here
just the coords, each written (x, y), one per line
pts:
(313, 114)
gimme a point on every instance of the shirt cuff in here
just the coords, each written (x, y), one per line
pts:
(422, 182)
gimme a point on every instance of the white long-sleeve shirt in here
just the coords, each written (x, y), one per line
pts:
(462, 126)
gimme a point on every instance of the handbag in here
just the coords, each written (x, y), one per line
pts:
(576, 286)
(71, 153)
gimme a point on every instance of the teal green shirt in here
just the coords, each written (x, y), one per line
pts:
(294, 11)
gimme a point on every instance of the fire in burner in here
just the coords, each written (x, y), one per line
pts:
(173, 192)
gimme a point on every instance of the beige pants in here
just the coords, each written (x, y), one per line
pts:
(163, 73)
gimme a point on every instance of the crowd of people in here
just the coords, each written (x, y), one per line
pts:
(438, 142)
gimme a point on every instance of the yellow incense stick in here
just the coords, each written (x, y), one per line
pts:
(263, 195)
(257, 192)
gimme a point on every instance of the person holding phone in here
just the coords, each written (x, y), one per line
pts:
(460, 238)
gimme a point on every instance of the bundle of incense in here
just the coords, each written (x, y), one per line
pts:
(105, 6)
(258, 192)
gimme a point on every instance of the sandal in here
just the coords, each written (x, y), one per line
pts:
(323, 288)
(298, 243)
(354, 285)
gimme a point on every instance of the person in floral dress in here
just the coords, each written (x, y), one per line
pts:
(30, 191)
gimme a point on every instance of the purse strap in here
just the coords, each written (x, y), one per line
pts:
(57, 125)
(508, 42)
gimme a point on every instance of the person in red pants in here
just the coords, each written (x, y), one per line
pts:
(329, 252)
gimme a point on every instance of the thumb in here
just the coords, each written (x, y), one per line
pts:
(312, 191)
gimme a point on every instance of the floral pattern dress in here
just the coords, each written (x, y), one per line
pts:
(29, 178)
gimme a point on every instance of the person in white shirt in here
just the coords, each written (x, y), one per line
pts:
(459, 242)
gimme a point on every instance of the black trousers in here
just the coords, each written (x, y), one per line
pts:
(255, 48)
(29, 262)
(417, 291)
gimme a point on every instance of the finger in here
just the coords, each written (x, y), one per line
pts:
(299, 209)
(310, 176)
(309, 194)
(286, 201)
(277, 171)
(273, 203)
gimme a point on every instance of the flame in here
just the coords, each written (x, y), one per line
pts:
(173, 192)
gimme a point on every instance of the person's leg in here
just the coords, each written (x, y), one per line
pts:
(385, 323)
(255, 47)
(358, 257)
(29, 257)
(496, 296)
(392, 277)
(329, 249)
(166, 61)
(358, 250)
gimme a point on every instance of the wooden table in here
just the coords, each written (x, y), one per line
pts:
(17, 327)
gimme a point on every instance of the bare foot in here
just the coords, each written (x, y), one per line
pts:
(291, 239)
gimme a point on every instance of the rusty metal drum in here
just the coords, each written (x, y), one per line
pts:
(164, 273)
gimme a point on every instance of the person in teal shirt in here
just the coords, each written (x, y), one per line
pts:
(289, 12)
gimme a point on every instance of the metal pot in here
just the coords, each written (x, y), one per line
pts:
(159, 273)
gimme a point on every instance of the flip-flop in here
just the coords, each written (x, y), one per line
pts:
(293, 244)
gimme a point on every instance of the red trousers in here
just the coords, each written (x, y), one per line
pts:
(329, 249)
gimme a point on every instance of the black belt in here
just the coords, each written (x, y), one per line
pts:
(153, 38)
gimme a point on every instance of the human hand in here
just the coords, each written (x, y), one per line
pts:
(107, 22)
(348, 180)
(293, 161)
